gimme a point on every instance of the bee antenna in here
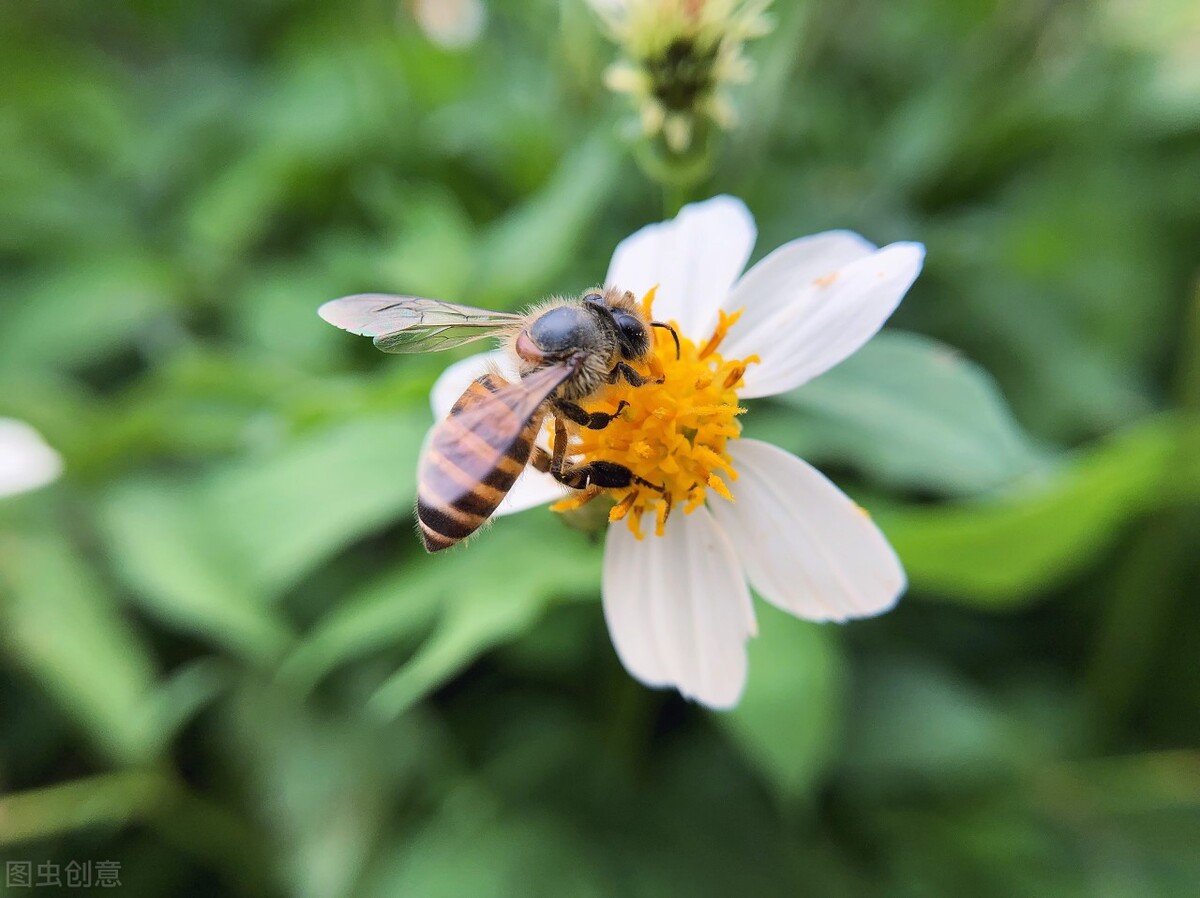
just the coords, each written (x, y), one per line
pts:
(674, 336)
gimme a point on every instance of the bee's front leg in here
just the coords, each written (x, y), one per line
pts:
(621, 369)
(590, 420)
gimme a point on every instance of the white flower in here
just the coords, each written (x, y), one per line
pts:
(677, 601)
(26, 461)
(679, 59)
(451, 24)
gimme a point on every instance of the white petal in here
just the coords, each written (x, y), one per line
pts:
(788, 269)
(453, 382)
(678, 608)
(27, 462)
(803, 316)
(694, 259)
(807, 548)
(533, 488)
(453, 24)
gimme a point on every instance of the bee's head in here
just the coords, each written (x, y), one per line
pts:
(630, 325)
(633, 337)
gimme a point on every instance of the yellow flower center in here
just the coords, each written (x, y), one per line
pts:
(673, 435)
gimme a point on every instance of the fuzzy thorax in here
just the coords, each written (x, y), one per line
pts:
(592, 344)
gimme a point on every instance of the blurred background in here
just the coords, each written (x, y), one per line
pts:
(226, 665)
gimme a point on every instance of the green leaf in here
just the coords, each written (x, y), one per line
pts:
(912, 718)
(285, 513)
(207, 556)
(786, 722)
(524, 250)
(237, 204)
(319, 785)
(491, 592)
(171, 553)
(395, 608)
(1007, 549)
(188, 689)
(913, 413)
(526, 853)
(84, 312)
(57, 621)
(108, 800)
(435, 253)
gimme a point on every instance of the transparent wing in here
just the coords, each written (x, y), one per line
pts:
(412, 323)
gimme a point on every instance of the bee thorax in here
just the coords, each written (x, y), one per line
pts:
(565, 329)
(589, 377)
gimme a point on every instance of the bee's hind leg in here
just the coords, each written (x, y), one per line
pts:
(589, 476)
(559, 457)
(602, 474)
(540, 459)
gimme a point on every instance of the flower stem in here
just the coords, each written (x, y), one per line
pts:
(675, 197)
(630, 722)
(1153, 574)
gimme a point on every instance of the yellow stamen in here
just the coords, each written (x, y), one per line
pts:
(622, 508)
(648, 301)
(725, 321)
(570, 503)
(673, 435)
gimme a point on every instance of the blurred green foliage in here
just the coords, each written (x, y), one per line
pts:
(224, 660)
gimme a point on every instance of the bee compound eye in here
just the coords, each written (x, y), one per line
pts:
(633, 333)
(629, 325)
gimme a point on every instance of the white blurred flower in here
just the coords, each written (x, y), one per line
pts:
(26, 461)
(675, 589)
(452, 24)
(678, 59)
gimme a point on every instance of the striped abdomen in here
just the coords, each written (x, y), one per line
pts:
(473, 459)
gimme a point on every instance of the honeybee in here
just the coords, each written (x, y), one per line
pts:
(566, 351)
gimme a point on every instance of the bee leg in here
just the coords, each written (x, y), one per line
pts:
(604, 474)
(593, 475)
(540, 459)
(559, 447)
(590, 420)
(632, 377)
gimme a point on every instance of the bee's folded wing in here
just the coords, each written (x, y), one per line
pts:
(474, 457)
(496, 418)
(413, 323)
